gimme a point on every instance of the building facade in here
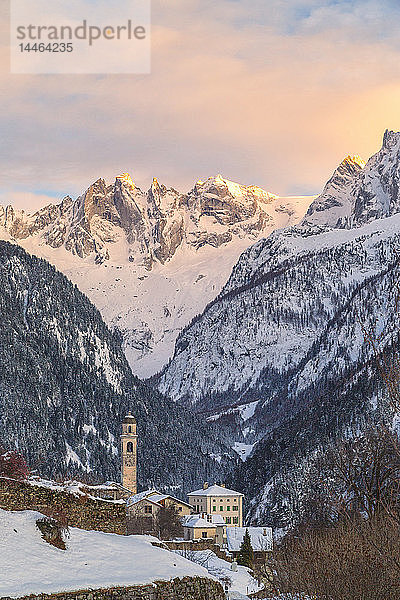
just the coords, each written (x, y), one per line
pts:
(144, 508)
(205, 527)
(129, 453)
(218, 500)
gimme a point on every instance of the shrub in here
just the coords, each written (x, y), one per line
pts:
(12, 465)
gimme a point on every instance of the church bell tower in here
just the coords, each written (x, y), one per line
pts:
(129, 453)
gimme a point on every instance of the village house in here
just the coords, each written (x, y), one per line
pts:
(202, 527)
(218, 500)
(144, 508)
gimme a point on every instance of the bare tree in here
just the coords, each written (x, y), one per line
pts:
(168, 523)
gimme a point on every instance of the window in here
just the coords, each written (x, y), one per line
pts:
(179, 508)
(228, 499)
(228, 508)
(204, 534)
(148, 509)
(221, 508)
(214, 508)
(129, 429)
(235, 520)
(235, 508)
(228, 520)
(129, 447)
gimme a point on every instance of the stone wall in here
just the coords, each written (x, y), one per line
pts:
(188, 588)
(197, 545)
(81, 511)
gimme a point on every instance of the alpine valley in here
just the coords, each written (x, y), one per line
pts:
(65, 386)
(249, 311)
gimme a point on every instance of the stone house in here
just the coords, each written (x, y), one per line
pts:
(146, 505)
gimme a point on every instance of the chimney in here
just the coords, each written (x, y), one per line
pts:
(222, 485)
(205, 485)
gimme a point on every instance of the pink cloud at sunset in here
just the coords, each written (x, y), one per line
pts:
(274, 94)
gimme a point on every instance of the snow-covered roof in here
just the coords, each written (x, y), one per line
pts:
(215, 490)
(158, 497)
(141, 496)
(153, 496)
(108, 485)
(93, 559)
(217, 520)
(195, 521)
(161, 497)
(261, 537)
(198, 520)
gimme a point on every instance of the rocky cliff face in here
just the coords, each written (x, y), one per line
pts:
(358, 193)
(154, 224)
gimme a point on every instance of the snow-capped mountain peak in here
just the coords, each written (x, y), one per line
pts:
(360, 192)
(151, 261)
(353, 161)
(127, 179)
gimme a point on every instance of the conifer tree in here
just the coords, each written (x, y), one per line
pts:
(246, 553)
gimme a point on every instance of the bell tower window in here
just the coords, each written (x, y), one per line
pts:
(129, 447)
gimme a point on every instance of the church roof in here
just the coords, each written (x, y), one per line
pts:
(129, 419)
(215, 490)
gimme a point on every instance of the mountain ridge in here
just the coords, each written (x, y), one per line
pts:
(150, 261)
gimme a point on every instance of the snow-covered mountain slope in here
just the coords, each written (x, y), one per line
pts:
(337, 391)
(285, 288)
(92, 560)
(151, 261)
(65, 386)
(263, 327)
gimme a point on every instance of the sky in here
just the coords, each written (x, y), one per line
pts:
(272, 93)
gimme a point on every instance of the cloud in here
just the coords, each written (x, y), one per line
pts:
(24, 200)
(268, 93)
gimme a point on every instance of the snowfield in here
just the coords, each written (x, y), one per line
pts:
(29, 565)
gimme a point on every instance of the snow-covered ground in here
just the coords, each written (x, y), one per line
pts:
(29, 565)
(244, 450)
(240, 582)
